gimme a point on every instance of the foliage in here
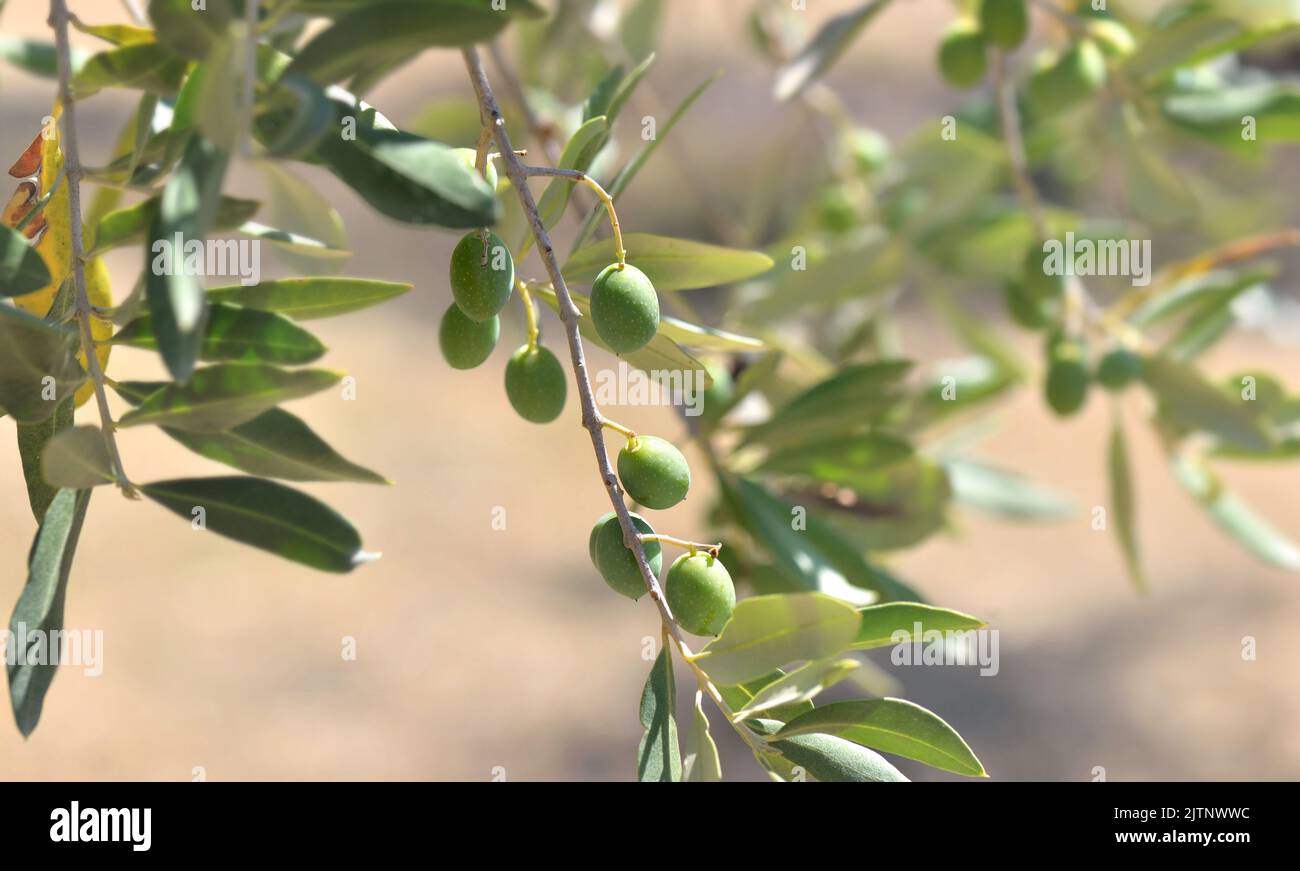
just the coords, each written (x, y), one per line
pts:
(828, 446)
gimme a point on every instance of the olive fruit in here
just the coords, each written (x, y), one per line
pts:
(1118, 368)
(653, 472)
(1067, 376)
(481, 289)
(836, 209)
(700, 593)
(469, 156)
(1033, 300)
(466, 343)
(1024, 308)
(1004, 22)
(1070, 79)
(615, 561)
(624, 308)
(961, 54)
(1113, 38)
(536, 384)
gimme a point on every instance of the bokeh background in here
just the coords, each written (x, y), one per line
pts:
(482, 649)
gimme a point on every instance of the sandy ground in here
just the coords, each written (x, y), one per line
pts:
(482, 649)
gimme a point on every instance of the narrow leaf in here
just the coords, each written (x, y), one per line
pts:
(830, 759)
(266, 515)
(907, 623)
(658, 756)
(1123, 506)
(306, 298)
(77, 458)
(701, 764)
(225, 395)
(237, 334)
(670, 264)
(801, 685)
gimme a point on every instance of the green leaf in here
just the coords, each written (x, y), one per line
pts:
(826, 47)
(1188, 400)
(629, 172)
(1234, 517)
(801, 685)
(396, 27)
(892, 726)
(300, 246)
(766, 632)
(130, 225)
(117, 34)
(218, 114)
(1004, 492)
(38, 365)
(306, 298)
(893, 623)
(658, 756)
(848, 401)
(21, 269)
(701, 764)
(266, 515)
(275, 444)
(810, 554)
(401, 175)
(143, 66)
(837, 458)
(40, 605)
(670, 264)
(237, 334)
(831, 759)
(77, 458)
(37, 57)
(186, 212)
(707, 338)
(1217, 114)
(579, 152)
(315, 227)
(32, 441)
(190, 32)
(1123, 506)
(225, 395)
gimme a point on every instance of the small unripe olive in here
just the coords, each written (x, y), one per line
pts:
(1118, 368)
(1074, 77)
(466, 343)
(624, 308)
(1038, 281)
(1113, 38)
(866, 148)
(536, 384)
(615, 561)
(1004, 22)
(1024, 307)
(961, 54)
(1067, 376)
(481, 289)
(469, 156)
(653, 472)
(700, 593)
(837, 212)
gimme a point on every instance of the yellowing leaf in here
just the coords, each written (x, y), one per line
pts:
(55, 248)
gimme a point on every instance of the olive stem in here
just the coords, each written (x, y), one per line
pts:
(491, 118)
(629, 434)
(526, 297)
(577, 176)
(58, 20)
(691, 546)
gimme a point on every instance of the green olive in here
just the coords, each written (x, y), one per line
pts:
(961, 54)
(624, 308)
(615, 561)
(1067, 376)
(1069, 80)
(536, 384)
(1118, 369)
(466, 343)
(1004, 23)
(653, 472)
(700, 593)
(481, 289)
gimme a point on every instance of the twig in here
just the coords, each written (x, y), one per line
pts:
(601, 193)
(544, 134)
(490, 116)
(72, 162)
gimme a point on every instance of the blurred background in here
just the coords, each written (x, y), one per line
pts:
(482, 649)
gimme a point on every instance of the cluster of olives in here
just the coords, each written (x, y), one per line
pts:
(1059, 80)
(698, 587)
(1035, 300)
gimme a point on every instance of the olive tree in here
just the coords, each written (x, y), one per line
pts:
(827, 446)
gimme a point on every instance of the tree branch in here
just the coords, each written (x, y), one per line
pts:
(72, 163)
(517, 172)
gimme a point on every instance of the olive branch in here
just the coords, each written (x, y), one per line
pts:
(592, 420)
